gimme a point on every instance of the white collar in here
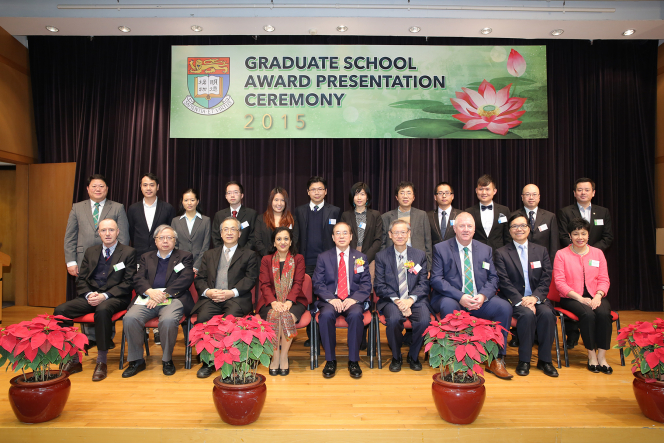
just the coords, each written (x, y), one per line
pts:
(238, 208)
(231, 249)
(517, 245)
(460, 246)
(197, 215)
(528, 210)
(101, 203)
(320, 205)
(346, 252)
(448, 210)
(153, 205)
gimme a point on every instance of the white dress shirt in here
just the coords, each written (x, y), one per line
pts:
(230, 257)
(487, 217)
(348, 268)
(320, 205)
(470, 257)
(585, 213)
(447, 211)
(150, 211)
(190, 223)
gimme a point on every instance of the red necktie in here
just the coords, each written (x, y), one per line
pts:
(235, 214)
(342, 288)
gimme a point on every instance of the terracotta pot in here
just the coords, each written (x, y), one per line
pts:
(458, 403)
(38, 402)
(650, 397)
(239, 404)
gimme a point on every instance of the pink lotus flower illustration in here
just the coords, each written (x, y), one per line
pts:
(516, 64)
(486, 108)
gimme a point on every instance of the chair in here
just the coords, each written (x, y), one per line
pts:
(90, 319)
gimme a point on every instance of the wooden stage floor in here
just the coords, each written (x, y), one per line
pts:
(576, 407)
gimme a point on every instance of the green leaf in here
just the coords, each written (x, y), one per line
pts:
(483, 134)
(531, 94)
(256, 351)
(448, 352)
(428, 128)
(436, 349)
(626, 352)
(456, 366)
(226, 370)
(469, 361)
(244, 367)
(244, 351)
(535, 116)
(440, 108)
(644, 366)
(529, 126)
(265, 360)
(3, 360)
(435, 360)
(268, 348)
(414, 104)
(492, 348)
(53, 355)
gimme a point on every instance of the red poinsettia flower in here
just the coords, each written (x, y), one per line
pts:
(226, 355)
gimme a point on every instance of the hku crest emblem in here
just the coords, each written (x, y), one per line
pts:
(208, 79)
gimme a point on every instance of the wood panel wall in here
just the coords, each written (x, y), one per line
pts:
(8, 230)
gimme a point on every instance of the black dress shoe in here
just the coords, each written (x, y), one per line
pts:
(307, 343)
(415, 365)
(205, 371)
(363, 346)
(72, 367)
(605, 369)
(547, 368)
(572, 342)
(169, 367)
(111, 345)
(514, 343)
(523, 368)
(395, 366)
(593, 368)
(134, 368)
(330, 369)
(272, 372)
(354, 369)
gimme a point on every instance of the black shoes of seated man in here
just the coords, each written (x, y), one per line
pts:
(523, 368)
(395, 366)
(354, 369)
(415, 365)
(205, 371)
(169, 367)
(330, 369)
(134, 368)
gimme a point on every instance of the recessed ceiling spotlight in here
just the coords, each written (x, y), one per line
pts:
(268, 28)
(486, 31)
(124, 29)
(557, 32)
(196, 28)
(52, 29)
(629, 32)
(342, 28)
(415, 29)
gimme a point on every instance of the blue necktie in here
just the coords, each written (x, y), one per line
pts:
(524, 265)
(108, 254)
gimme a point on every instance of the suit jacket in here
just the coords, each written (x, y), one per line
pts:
(242, 275)
(548, 237)
(510, 273)
(263, 243)
(268, 294)
(420, 231)
(601, 236)
(373, 233)
(119, 283)
(447, 271)
(81, 232)
(177, 283)
(436, 235)
(197, 242)
(330, 212)
(327, 272)
(142, 238)
(386, 283)
(499, 235)
(247, 234)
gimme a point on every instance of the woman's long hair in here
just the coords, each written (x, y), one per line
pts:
(286, 217)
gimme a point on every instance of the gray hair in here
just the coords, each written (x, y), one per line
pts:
(399, 221)
(237, 222)
(162, 227)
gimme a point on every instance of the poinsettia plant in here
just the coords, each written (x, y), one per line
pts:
(646, 341)
(39, 343)
(236, 346)
(460, 343)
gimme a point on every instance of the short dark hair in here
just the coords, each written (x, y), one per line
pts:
(316, 179)
(149, 175)
(357, 187)
(292, 249)
(583, 180)
(96, 177)
(578, 223)
(514, 217)
(442, 184)
(403, 185)
(486, 180)
(194, 191)
(238, 184)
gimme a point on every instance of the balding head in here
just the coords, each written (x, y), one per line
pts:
(108, 232)
(464, 228)
(530, 196)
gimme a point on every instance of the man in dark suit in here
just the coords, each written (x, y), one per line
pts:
(442, 218)
(343, 284)
(316, 221)
(403, 289)
(490, 217)
(224, 282)
(543, 224)
(104, 287)
(246, 216)
(162, 284)
(524, 271)
(463, 277)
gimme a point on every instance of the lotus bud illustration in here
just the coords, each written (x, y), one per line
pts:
(516, 64)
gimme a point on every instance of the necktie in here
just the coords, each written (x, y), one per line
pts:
(315, 208)
(524, 264)
(484, 208)
(531, 220)
(108, 254)
(227, 253)
(443, 223)
(95, 215)
(403, 281)
(467, 274)
(235, 214)
(342, 286)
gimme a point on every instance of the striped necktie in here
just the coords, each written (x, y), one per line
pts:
(467, 273)
(95, 215)
(403, 280)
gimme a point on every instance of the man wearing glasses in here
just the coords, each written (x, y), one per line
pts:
(542, 223)
(246, 216)
(224, 282)
(442, 218)
(524, 271)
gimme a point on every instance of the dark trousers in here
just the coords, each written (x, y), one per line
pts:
(527, 324)
(595, 325)
(309, 270)
(209, 309)
(394, 320)
(103, 313)
(328, 331)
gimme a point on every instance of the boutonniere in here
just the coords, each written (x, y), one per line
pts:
(409, 264)
(359, 262)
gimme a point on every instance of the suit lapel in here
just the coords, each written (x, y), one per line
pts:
(106, 210)
(335, 266)
(575, 210)
(197, 224)
(94, 261)
(212, 272)
(393, 264)
(157, 214)
(436, 223)
(514, 255)
(153, 261)
(454, 246)
(477, 264)
(410, 277)
(88, 213)
(236, 256)
(175, 257)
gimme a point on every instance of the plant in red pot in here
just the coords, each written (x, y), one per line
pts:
(236, 346)
(645, 340)
(36, 345)
(459, 344)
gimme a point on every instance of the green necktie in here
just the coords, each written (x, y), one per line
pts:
(95, 215)
(467, 273)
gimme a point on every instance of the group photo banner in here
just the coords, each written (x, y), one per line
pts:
(358, 91)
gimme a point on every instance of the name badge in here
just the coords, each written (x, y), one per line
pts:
(417, 269)
(359, 269)
(451, 222)
(245, 224)
(594, 263)
(333, 221)
(543, 227)
(362, 226)
(535, 264)
(118, 267)
(485, 265)
(599, 222)
(502, 219)
(179, 267)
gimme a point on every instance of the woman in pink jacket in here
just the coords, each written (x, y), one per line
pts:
(582, 279)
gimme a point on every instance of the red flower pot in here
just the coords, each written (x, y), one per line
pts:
(38, 402)
(239, 404)
(458, 403)
(650, 397)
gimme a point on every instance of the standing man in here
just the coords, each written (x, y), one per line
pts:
(246, 216)
(490, 217)
(525, 271)
(442, 218)
(542, 224)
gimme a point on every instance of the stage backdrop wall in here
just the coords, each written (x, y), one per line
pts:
(104, 103)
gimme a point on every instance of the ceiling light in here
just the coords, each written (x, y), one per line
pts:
(52, 28)
(268, 28)
(124, 29)
(486, 31)
(342, 28)
(196, 28)
(629, 32)
(557, 32)
(415, 29)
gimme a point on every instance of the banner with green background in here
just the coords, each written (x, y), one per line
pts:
(296, 91)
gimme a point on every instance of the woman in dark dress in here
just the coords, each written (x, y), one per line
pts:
(277, 214)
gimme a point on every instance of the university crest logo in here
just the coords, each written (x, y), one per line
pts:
(208, 79)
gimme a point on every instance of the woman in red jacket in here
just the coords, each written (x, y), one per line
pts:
(582, 279)
(281, 300)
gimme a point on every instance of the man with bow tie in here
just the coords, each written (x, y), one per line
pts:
(490, 217)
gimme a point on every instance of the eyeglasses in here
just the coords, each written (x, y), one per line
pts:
(517, 227)
(316, 189)
(162, 238)
(341, 233)
(224, 230)
(233, 193)
(530, 194)
(405, 194)
(444, 194)
(400, 233)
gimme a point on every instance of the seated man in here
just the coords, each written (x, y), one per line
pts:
(162, 284)
(343, 284)
(104, 287)
(525, 270)
(463, 277)
(403, 290)
(225, 279)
